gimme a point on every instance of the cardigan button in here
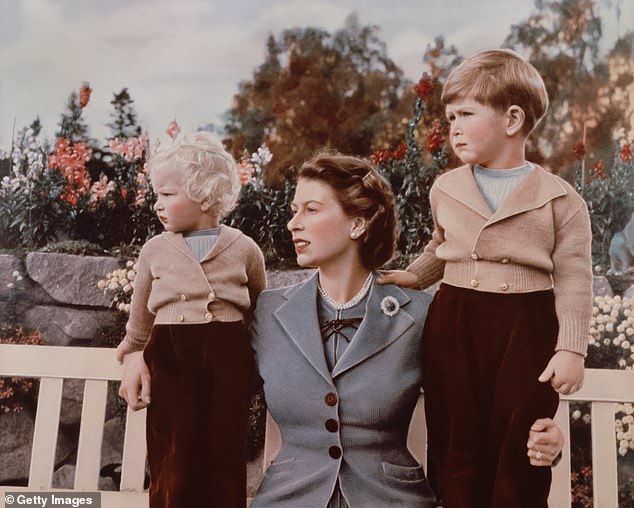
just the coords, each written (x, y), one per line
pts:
(332, 425)
(334, 452)
(180, 317)
(475, 256)
(504, 261)
(182, 298)
(475, 283)
(331, 399)
(211, 296)
(504, 286)
(208, 316)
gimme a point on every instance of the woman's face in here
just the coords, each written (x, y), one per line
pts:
(320, 228)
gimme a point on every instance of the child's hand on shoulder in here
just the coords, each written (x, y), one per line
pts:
(564, 371)
(401, 278)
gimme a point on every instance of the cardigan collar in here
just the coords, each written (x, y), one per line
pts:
(298, 316)
(225, 238)
(538, 188)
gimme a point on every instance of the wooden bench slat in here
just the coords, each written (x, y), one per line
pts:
(134, 452)
(560, 494)
(604, 471)
(93, 415)
(45, 433)
(605, 385)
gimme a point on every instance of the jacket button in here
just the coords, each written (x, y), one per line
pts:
(504, 261)
(475, 283)
(180, 317)
(182, 298)
(334, 452)
(208, 316)
(331, 399)
(474, 256)
(504, 286)
(332, 425)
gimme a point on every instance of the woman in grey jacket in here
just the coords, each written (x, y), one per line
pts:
(340, 356)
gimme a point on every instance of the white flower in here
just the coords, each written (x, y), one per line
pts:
(390, 306)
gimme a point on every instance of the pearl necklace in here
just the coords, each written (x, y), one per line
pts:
(352, 302)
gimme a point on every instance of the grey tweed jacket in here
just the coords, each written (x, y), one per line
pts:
(350, 424)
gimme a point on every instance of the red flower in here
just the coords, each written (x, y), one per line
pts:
(400, 151)
(436, 138)
(70, 160)
(626, 152)
(84, 94)
(579, 149)
(424, 87)
(380, 156)
(598, 170)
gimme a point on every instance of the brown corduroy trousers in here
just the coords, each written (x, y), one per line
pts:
(483, 353)
(197, 421)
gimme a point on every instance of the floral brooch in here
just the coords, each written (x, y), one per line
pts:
(390, 306)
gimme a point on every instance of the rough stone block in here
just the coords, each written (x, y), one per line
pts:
(71, 279)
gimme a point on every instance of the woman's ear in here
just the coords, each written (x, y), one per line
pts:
(515, 118)
(358, 227)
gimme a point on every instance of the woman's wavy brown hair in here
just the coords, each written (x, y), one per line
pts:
(362, 192)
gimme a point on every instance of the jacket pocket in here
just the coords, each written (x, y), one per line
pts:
(284, 466)
(404, 474)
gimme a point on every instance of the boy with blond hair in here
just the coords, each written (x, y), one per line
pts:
(196, 285)
(508, 327)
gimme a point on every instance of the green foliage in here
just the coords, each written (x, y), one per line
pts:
(610, 201)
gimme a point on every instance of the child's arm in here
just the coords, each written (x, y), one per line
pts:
(256, 273)
(564, 371)
(135, 384)
(426, 269)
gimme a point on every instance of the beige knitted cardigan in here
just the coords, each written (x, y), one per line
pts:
(538, 239)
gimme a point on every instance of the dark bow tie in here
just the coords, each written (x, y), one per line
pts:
(333, 326)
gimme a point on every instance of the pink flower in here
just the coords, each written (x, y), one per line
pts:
(245, 169)
(130, 149)
(100, 190)
(173, 129)
(626, 152)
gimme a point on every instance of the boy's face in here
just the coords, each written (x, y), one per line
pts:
(176, 211)
(477, 133)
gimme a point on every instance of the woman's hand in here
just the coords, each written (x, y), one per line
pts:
(545, 442)
(135, 385)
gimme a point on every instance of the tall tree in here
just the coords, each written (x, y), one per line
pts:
(124, 117)
(561, 38)
(317, 89)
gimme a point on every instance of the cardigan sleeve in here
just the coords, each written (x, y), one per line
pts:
(141, 319)
(427, 267)
(256, 273)
(572, 278)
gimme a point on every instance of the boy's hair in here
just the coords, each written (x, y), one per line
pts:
(499, 78)
(362, 192)
(207, 170)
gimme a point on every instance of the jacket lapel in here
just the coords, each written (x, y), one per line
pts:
(461, 185)
(533, 192)
(377, 330)
(298, 317)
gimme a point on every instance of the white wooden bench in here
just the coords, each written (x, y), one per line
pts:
(603, 388)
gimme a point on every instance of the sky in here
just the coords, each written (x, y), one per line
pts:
(184, 59)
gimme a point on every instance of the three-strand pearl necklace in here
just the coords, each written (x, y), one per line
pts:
(352, 302)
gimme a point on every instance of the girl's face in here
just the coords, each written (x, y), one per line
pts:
(477, 133)
(321, 230)
(176, 211)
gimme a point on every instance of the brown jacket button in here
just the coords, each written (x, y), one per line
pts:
(331, 399)
(332, 425)
(334, 452)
